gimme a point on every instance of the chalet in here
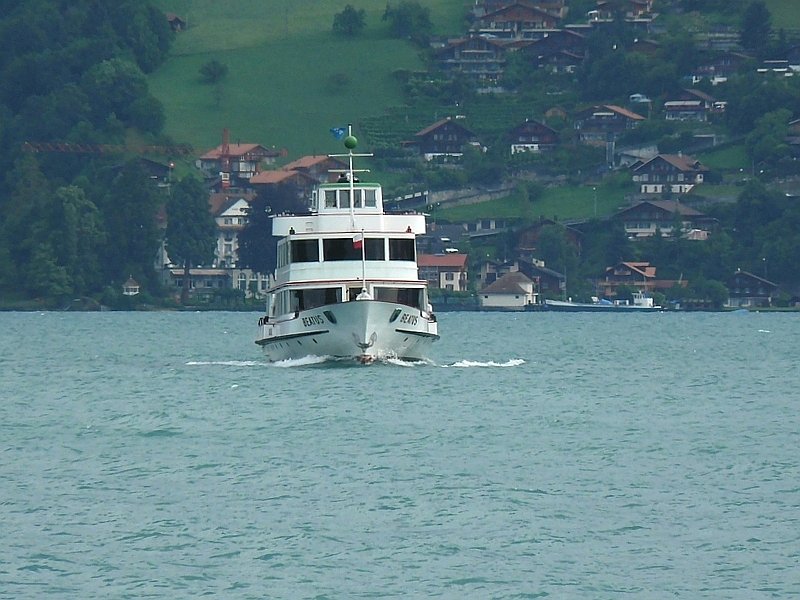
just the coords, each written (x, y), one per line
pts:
(532, 136)
(320, 167)
(675, 173)
(631, 9)
(516, 20)
(477, 57)
(513, 290)
(301, 182)
(557, 8)
(175, 22)
(235, 164)
(747, 290)
(528, 238)
(646, 47)
(600, 124)
(690, 105)
(560, 51)
(719, 68)
(444, 271)
(445, 139)
(635, 275)
(648, 217)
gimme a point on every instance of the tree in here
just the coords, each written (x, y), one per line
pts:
(767, 141)
(350, 22)
(130, 203)
(409, 20)
(213, 71)
(191, 230)
(257, 247)
(755, 26)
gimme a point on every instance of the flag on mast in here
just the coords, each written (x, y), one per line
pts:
(358, 241)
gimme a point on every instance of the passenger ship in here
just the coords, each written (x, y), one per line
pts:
(346, 283)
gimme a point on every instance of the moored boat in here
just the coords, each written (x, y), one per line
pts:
(346, 283)
(641, 302)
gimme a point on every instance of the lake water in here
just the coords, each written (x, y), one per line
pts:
(156, 455)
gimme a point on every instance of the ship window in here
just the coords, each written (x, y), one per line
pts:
(408, 296)
(343, 249)
(314, 200)
(314, 298)
(374, 249)
(401, 249)
(305, 251)
(344, 198)
(369, 198)
(356, 198)
(330, 198)
(340, 249)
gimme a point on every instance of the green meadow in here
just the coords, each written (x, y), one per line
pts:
(290, 79)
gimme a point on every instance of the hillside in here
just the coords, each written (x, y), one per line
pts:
(290, 79)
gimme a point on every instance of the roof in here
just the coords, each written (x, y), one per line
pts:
(306, 162)
(681, 162)
(456, 261)
(756, 277)
(277, 176)
(237, 150)
(220, 202)
(508, 284)
(613, 108)
(440, 123)
(668, 206)
(643, 268)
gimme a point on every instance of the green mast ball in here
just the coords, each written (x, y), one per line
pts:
(350, 142)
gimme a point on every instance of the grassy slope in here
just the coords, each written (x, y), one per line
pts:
(785, 13)
(281, 56)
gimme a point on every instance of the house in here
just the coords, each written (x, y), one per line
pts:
(675, 173)
(230, 214)
(515, 20)
(513, 290)
(235, 164)
(532, 136)
(175, 22)
(635, 275)
(528, 238)
(559, 51)
(444, 271)
(444, 140)
(634, 11)
(600, 124)
(689, 105)
(719, 68)
(648, 217)
(479, 58)
(300, 181)
(557, 8)
(550, 283)
(321, 167)
(203, 283)
(747, 290)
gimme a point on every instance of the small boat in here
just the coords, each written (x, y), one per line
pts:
(347, 283)
(641, 303)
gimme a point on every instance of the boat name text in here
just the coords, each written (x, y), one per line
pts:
(313, 320)
(410, 319)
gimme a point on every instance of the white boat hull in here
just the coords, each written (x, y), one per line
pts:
(365, 330)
